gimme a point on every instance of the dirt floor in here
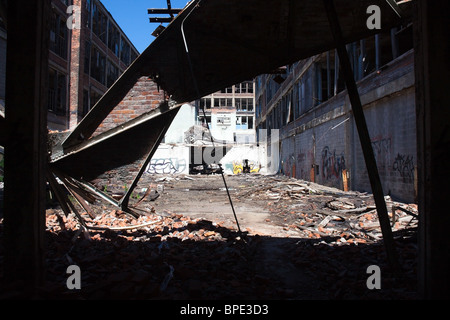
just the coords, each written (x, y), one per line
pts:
(293, 241)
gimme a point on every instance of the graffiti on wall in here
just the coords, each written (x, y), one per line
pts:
(238, 167)
(382, 150)
(404, 165)
(167, 166)
(381, 146)
(332, 164)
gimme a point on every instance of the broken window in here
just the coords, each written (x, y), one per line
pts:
(134, 55)
(94, 97)
(58, 35)
(99, 22)
(88, 9)
(242, 123)
(251, 121)
(223, 102)
(244, 87)
(204, 103)
(205, 121)
(113, 73)
(87, 57)
(227, 90)
(244, 104)
(113, 39)
(98, 65)
(57, 92)
(125, 52)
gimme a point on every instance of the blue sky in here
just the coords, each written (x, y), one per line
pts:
(132, 17)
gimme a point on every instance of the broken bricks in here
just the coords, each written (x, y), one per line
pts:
(323, 212)
(208, 256)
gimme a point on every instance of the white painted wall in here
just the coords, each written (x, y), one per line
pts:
(182, 122)
(170, 159)
(221, 130)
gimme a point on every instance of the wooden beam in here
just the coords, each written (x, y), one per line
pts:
(363, 133)
(26, 143)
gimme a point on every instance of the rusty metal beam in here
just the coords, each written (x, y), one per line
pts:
(363, 133)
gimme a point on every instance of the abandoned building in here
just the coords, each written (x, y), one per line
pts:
(307, 102)
(83, 62)
(230, 112)
(342, 104)
(228, 117)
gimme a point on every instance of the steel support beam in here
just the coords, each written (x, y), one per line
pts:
(363, 133)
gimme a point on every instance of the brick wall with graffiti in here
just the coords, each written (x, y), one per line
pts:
(327, 149)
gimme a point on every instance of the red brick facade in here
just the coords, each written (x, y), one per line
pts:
(143, 97)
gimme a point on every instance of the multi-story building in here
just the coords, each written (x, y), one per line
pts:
(83, 61)
(307, 104)
(230, 113)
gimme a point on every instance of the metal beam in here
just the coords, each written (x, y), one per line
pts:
(161, 20)
(125, 200)
(363, 132)
(164, 11)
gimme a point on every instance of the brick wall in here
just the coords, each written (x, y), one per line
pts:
(76, 69)
(143, 97)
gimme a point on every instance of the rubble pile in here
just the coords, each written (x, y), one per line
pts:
(163, 257)
(333, 236)
(175, 257)
(330, 214)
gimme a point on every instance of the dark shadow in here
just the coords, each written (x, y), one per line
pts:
(220, 265)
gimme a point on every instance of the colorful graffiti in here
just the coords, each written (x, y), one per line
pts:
(239, 167)
(332, 164)
(404, 165)
(167, 166)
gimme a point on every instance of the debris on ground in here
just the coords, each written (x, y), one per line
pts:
(327, 240)
(323, 212)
